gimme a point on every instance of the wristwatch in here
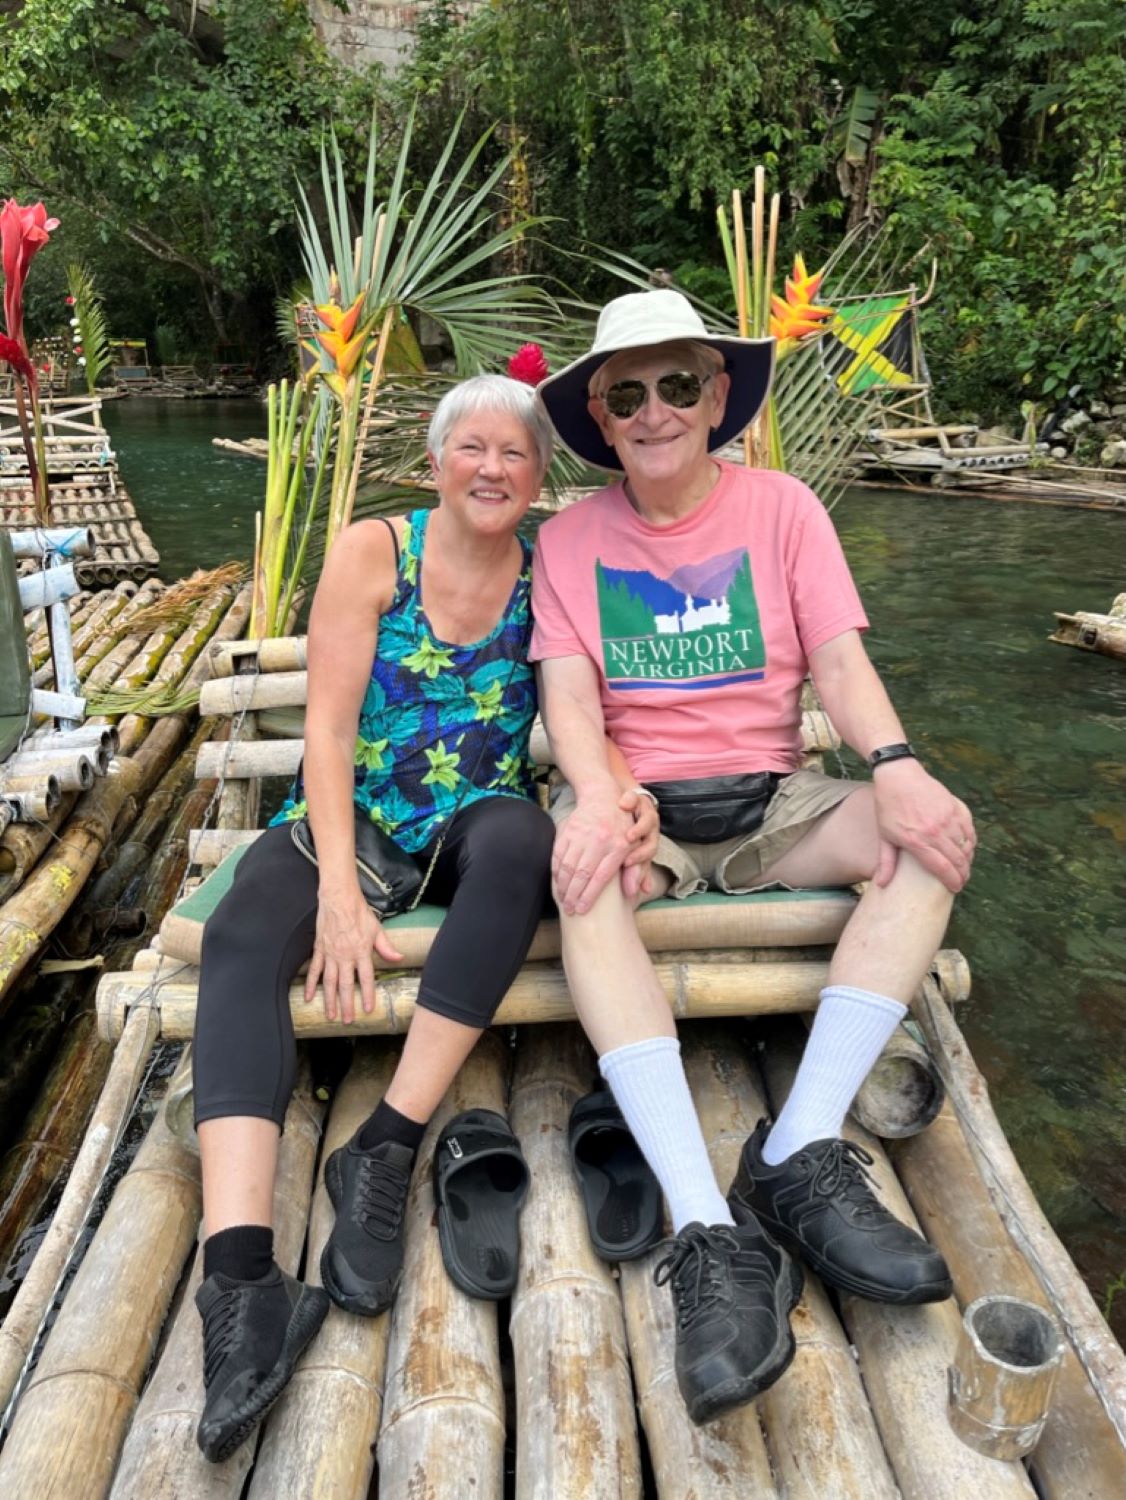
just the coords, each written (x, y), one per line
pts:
(902, 751)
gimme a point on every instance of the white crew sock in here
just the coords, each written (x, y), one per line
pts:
(649, 1086)
(849, 1032)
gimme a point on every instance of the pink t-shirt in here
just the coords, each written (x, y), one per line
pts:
(700, 630)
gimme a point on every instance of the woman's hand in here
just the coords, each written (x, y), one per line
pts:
(347, 932)
(637, 879)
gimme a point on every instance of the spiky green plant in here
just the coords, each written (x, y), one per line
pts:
(92, 328)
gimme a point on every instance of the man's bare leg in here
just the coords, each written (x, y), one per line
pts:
(626, 1015)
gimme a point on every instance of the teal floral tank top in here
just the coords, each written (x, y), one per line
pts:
(430, 707)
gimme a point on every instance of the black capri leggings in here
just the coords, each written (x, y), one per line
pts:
(493, 873)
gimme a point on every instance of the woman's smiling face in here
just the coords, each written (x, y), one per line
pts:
(489, 470)
(660, 443)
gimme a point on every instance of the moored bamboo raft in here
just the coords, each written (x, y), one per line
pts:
(1105, 634)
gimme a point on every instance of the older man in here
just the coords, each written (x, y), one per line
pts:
(679, 610)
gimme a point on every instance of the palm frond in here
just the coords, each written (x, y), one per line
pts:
(93, 327)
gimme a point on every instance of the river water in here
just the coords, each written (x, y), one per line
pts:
(960, 594)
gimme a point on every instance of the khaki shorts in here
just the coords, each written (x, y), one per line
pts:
(734, 866)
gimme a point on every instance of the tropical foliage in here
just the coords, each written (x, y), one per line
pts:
(177, 132)
(90, 325)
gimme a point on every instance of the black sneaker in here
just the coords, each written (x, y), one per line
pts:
(818, 1203)
(363, 1259)
(253, 1333)
(734, 1290)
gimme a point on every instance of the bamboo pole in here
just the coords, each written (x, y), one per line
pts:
(22, 844)
(576, 1437)
(1098, 1350)
(71, 1420)
(694, 987)
(210, 846)
(282, 653)
(160, 1458)
(904, 1091)
(443, 1402)
(905, 1352)
(318, 1441)
(1080, 1455)
(32, 914)
(230, 695)
(33, 1300)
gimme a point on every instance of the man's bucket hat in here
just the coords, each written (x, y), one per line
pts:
(636, 321)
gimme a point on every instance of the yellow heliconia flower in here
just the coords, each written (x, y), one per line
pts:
(797, 315)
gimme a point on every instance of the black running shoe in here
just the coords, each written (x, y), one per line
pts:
(363, 1259)
(734, 1290)
(820, 1205)
(253, 1333)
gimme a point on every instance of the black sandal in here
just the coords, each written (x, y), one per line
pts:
(625, 1211)
(480, 1183)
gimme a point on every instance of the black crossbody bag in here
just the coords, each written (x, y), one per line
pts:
(706, 809)
(390, 879)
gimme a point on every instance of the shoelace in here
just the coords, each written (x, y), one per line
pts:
(381, 1193)
(218, 1331)
(842, 1173)
(701, 1265)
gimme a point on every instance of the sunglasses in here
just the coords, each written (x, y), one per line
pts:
(679, 388)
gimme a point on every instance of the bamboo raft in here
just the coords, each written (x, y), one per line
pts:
(1105, 634)
(567, 1392)
(86, 490)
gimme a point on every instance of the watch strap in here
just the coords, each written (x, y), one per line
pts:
(901, 751)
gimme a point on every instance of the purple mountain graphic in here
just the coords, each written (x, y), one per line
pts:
(709, 579)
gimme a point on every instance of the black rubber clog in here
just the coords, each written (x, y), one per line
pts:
(480, 1183)
(625, 1210)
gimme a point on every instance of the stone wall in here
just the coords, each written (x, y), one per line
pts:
(372, 31)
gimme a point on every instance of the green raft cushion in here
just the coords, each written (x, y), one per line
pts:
(765, 919)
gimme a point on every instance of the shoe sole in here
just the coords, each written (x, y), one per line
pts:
(310, 1312)
(733, 1393)
(362, 1309)
(854, 1286)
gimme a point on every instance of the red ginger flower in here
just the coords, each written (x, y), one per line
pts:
(529, 365)
(12, 354)
(23, 233)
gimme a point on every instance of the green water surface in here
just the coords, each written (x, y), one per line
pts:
(960, 594)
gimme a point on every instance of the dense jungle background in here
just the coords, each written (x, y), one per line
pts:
(168, 137)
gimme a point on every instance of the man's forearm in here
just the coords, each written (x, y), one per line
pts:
(855, 699)
(577, 734)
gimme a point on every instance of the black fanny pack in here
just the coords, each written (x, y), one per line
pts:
(709, 808)
(390, 879)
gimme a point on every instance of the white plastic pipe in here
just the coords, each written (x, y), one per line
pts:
(50, 586)
(65, 541)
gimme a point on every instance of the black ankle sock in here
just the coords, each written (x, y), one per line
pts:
(387, 1124)
(244, 1253)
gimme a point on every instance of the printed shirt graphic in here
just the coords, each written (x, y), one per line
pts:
(698, 627)
(430, 707)
(701, 630)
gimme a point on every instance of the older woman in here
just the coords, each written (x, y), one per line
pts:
(681, 608)
(420, 706)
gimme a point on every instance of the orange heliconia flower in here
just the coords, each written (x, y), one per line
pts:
(797, 315)
(343, 337)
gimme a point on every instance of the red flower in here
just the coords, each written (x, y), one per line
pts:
(70, 301)
(23, 233)
(78, 348)
(528, 365)
(12, 354)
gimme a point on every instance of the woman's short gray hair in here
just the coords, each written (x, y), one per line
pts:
(492, 393)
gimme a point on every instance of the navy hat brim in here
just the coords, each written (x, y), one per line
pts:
(749, 363)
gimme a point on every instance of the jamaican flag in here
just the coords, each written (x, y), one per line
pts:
(869, 344)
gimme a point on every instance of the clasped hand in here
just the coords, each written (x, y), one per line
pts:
(607, 832)
(348, 931)
(917, 813)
